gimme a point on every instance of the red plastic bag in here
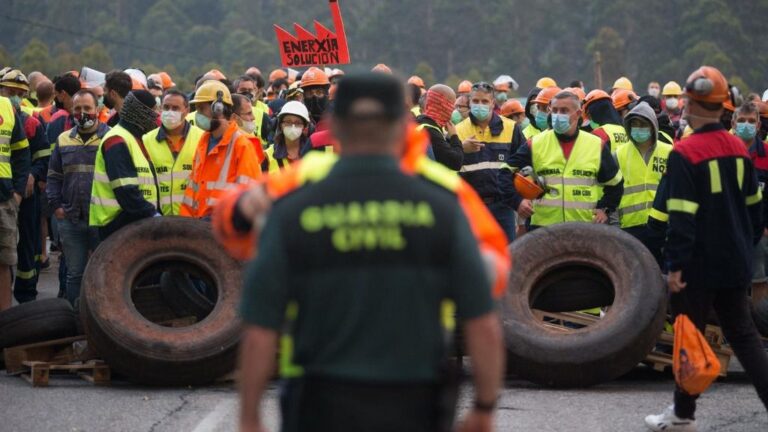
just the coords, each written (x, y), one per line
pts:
(694, 363)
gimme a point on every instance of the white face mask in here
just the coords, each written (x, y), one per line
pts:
(248, 126)
(672, 103)
(171, 119)
(653, 92)
(292, 133)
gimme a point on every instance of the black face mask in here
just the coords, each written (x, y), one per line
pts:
(108, 102)
(725, 119)
(58, 104)
(316, 106)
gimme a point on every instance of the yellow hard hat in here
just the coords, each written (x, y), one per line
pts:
(623, 83)
(208, 92)
(671, 89)
(545, 82)
(15, 79)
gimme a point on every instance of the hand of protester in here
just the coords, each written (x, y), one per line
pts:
(59, 213)
(476, 421)
(450, 129)
(471, 145)
(600, 217)
(525, 209)
(255, 203)
(30, 189)
(17, 197)
(675, 281)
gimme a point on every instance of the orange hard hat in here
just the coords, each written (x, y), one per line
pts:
(707, 84)
(622, 97)
(595, 95)
(527, 187)
(464, 87)
(277, 74)
(546, 95)
(578, 91)
(512, 106)
(166, 80)
(314, 77)
(382, 68)
(216, 74)
(728, 105)
(417, 81)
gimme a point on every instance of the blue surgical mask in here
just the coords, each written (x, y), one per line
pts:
(501, 98)
(746, 131)
(15, 101)
(480, 111)
(561, 123)
(541, 120)
(640, 134)
(202, 121)
(524, 124)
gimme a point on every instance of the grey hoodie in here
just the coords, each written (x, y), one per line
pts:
(644, 111)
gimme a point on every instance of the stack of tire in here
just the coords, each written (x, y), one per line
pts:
(571, 267)
(140, 277)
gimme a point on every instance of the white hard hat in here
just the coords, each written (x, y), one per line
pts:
(137, 75)
(295, 108)
(765, 96)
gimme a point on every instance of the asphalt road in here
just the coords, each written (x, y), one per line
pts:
(72, 405)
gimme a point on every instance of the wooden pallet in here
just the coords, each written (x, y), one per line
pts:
(35, 362)
(657, 359)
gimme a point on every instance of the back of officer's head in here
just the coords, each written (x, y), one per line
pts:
(369, 114)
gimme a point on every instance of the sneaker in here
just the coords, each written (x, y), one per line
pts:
(669, 422)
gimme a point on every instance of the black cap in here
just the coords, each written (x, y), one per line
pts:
(383, 88)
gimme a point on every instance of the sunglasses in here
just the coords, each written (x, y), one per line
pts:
(483, 86)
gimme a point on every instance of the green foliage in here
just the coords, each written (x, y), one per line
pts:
(6, 59)
(440, 40)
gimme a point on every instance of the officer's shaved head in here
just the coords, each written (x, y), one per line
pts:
(445, 91)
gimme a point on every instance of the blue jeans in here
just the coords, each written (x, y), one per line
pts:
(77, 240)
(505, 216)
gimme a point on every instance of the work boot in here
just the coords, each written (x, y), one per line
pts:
(669, 422)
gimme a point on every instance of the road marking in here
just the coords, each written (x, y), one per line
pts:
(214, 418)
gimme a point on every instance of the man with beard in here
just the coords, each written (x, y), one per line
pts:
(116, 87)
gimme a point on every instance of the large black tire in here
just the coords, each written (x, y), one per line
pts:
(760, 315)
(37, 321)
(146, 352)
(569, 256)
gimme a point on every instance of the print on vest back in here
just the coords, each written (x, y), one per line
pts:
(659, 164)
(370, 225)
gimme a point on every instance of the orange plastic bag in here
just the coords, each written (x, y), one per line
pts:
(694, 363)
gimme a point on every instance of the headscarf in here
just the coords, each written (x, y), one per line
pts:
(138, 111)
(438, 107)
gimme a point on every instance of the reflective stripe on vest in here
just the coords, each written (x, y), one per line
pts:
(572, 187)
(172, 172)
(104, 206)
(640, 182)
(616, 134)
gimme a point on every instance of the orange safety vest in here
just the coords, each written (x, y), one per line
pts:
(491, 239)
(232, 162)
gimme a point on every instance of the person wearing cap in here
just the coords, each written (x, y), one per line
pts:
(642, 165)
(14, 86)
(224, 157)
(464, 88)
(623, 83)
(116, 87)
(155, 87)
(68, 190)
(489, 141)
(124, 180)
(513, 110)
(623, 100)
(671, 103)
(445, 146)
(583, 182)
(291, 138)
(315, 85)
(715, 219)
(501, 90)
(15, 161)
(604, 120)
(249, 87)
(386, 291)
(539, 108)
(171, 149)
(530, 114)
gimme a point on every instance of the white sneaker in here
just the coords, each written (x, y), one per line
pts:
(669, 422)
